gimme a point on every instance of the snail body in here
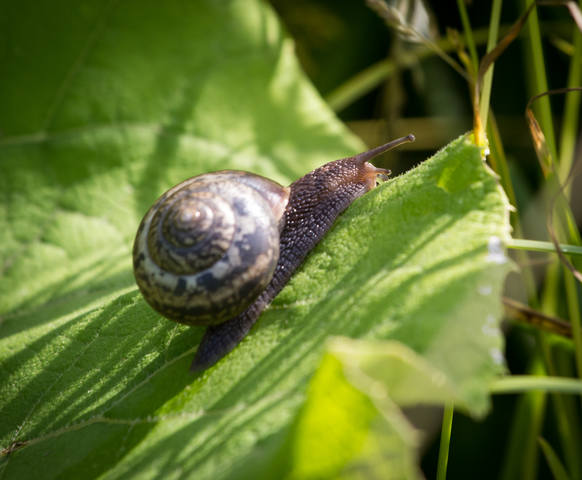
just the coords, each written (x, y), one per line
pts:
(216, 249)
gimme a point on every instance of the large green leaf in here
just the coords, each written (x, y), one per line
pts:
(106, 105)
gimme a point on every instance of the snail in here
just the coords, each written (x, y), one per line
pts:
(217, 248)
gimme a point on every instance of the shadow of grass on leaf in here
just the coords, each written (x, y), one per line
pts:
(60, 299)
(334, 314)
(197, 447)
(117, 369)
(286, 368)
(264, 400)
(102, 355)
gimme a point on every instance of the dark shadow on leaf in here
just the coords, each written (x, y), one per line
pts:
(104, 352)
(97, 284)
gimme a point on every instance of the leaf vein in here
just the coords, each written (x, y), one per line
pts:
(67, 80)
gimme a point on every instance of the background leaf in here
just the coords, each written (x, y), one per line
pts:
(107, 105)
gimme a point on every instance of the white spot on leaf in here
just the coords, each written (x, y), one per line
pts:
(497, 356)
(485, 289)
(489, 328)
(496, 252)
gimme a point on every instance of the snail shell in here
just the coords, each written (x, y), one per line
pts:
(209, 246)
(217, 248)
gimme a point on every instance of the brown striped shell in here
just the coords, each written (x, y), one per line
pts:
(209, 246)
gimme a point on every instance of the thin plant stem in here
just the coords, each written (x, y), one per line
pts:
(369, 78)
(488, 79)
(468, 35)
(498, 162)
(447, 426)
(529, 383)
(522, 450)
(540, 246)
(540, 82)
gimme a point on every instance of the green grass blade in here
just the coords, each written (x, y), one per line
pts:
(528, 418)
(491, 42)
(369, 78)
(447, 426)
(498, 162)
(541, 246)
(526, 383)
(468, 34)
(556, 466)
(539, 79)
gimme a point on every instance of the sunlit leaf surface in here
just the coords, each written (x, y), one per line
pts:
(107, 104)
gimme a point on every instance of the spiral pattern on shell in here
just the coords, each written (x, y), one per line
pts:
(209, 246)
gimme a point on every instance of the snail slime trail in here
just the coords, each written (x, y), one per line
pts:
(217, 248)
